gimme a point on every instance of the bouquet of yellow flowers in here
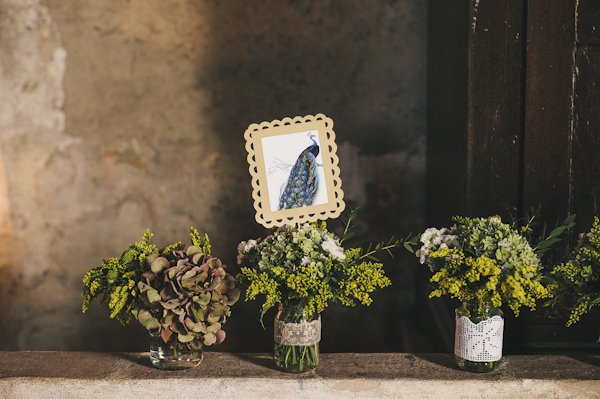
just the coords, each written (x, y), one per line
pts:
(578, 280)
(303, 268)
(486, 261)
(485, 264)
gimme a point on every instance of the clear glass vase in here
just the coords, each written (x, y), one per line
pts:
(176, 357)
(478, 339)
(297, 339)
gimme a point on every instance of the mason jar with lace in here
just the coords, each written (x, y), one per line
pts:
(297, 338)
(478, 339)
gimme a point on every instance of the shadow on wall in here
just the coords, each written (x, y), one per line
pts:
(158, 94)
(358, 64)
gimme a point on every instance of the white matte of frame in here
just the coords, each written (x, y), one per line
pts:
(294, 169)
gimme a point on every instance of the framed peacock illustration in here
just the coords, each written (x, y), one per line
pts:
(294, 169)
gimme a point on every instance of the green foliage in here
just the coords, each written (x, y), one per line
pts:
(306, 267)
(488, 261)
(201, 242)
(577, 281)
(116, 279)
(379, 248)
(543, 243)
(184, 294)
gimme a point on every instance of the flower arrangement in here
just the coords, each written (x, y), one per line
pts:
(577, 284)
(304, 267)
(486, 261)
(182, 294)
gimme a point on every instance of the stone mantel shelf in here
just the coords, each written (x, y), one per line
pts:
(339, 375)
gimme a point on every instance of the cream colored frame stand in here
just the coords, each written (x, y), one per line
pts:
(323, 126)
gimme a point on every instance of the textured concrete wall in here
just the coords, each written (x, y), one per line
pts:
(121, 116)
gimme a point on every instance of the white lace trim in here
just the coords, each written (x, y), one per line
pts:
(298, 334)
(481, 342)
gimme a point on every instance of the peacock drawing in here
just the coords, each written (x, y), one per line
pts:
(303, 181)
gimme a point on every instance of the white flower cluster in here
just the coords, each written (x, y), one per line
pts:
(244, 247)
(330, 245)
(488, 237)
(435, 239)
(293, 245)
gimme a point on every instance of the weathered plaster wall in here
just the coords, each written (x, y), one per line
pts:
(121, 116)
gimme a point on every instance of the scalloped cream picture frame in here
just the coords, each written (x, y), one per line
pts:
(279, 148)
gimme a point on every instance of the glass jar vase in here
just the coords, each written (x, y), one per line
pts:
(297, 338)
(172, 356)
(478, 339)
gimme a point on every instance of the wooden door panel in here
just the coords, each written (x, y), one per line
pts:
(520, 127)
(586, 137)
(494, 108)
(588, 22)
(547, 107)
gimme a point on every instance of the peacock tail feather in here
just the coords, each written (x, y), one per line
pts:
(303, 180)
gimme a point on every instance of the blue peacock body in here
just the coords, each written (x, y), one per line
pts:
(303, 180)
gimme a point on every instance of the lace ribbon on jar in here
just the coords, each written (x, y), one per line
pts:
(481, 342)
(304, 333)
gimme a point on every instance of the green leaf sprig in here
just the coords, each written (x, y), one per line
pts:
(381, 247)
(544, 242)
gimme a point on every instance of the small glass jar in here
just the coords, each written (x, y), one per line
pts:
(176, 357)
(297, 338)
(478, 339)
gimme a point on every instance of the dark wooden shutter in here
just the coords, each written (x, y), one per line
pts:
(514, 122)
